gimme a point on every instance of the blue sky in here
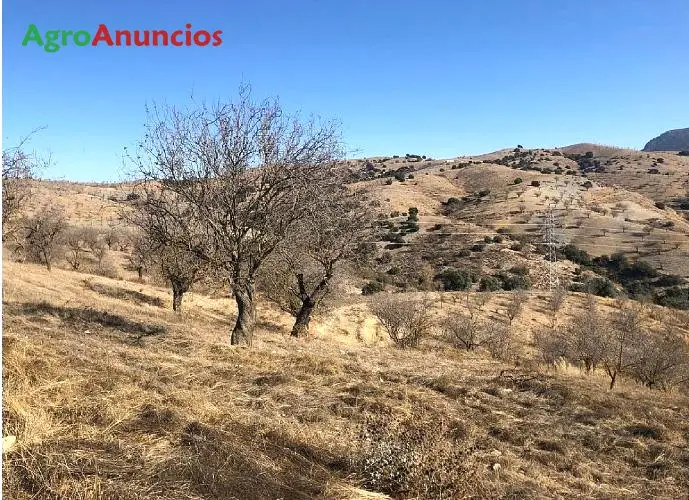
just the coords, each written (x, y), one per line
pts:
(441, 78)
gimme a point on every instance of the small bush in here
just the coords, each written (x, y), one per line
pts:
(515, 282)
(522, 270)
(535, 183)
(518, 180)
(489, 284)
(405, 320)
(455, 279)
(372, 287)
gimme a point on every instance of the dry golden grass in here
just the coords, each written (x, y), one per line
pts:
(111, 395)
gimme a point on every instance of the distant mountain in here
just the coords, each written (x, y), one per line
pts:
(672, 140)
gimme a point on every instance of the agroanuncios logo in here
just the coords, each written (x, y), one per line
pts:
(53, 40)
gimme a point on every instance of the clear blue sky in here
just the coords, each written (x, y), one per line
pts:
(441, 78)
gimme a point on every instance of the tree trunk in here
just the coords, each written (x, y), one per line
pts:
(613, 377)
(301, 325)
(246, 314)
(140, 272)
(177, 296)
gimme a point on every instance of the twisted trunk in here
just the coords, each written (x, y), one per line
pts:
(178, 290)
(308, 302)
(301, 324)
(246, 314)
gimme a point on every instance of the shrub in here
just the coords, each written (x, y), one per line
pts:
(43, 233)
(587, 185)
(518, 180)
(683, 153)
(372, 287)
(498, 239)
(535, 183)
(478, 247)
(489, 284)
(454, 279)
(576, 255)
(469, 332)
(600, 286)
(515, 282)
(388, 181)
(660, 205)
(483, 193)
(674, 297)
(663, 361)
(405, 320)
(520, 269)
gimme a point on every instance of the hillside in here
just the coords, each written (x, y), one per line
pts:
(110, 394)
(672, 140)
(117, 399)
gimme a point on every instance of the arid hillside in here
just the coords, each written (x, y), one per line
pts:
(518, 330)
(111, 395)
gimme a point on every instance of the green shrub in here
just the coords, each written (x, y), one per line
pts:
(454, 279)
(518, 180)
(515, 282)
(489, 284)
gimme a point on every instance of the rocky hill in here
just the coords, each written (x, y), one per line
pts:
(672, 140)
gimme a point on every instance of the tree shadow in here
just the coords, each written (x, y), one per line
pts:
(85, 317)
(114, 292)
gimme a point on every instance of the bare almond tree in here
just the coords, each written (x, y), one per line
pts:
(300, 273)
(247, 172)
(76, 239)
(663, 360)
(472, 330)
(171, 240)
(622, 341)
(18, 167)
(515, 305)
(406, 320)
(42, 234)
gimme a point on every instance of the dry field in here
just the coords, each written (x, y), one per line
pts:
(111, 395)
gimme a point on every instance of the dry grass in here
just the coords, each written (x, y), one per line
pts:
(112, 396)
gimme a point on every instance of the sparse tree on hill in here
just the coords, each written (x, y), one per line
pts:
(248, 173)
(300, 274)
(76, 240)
(172, 240)
(42, 234)
(623, 340)
(515, 305)
(586, 332)
(663, 360)
(140, 256)
(18, 167)
(406, 320)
